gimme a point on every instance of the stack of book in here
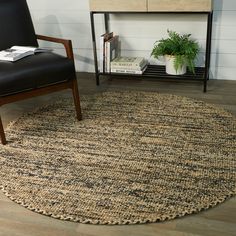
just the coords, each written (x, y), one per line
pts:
(110, 61)
(109, 44)
(129, 65)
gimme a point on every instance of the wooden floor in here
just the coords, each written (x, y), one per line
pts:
(15, 220)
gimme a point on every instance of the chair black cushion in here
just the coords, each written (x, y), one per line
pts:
(16, 25)
(34, 71)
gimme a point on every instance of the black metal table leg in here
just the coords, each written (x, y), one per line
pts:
(94, 47)
(208, 49)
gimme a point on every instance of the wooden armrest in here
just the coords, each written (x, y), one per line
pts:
(66, 42)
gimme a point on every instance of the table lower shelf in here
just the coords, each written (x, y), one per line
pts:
(160, 72)
(156, 71)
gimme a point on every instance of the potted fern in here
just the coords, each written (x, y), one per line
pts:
(179, 52)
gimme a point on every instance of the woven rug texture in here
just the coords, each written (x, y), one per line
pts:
(136, 157)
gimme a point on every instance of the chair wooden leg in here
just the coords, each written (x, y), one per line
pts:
(76, 99)
(2, 134)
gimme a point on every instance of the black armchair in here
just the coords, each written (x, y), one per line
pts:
(34, 75)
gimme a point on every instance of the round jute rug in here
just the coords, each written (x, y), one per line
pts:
(135, 157)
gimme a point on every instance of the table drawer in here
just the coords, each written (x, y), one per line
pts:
(118, 5)
(180, 5)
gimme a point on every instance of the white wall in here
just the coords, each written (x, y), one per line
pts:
(71, 19)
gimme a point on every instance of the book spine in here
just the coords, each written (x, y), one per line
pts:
(101, 54)
(108, 56)
(127, 71)
(125, 64)
(129, 64)
(129, 67)
(126, 67)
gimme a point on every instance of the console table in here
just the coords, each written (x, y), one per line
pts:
(203, 7)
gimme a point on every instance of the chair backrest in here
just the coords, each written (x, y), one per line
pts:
(16, 27)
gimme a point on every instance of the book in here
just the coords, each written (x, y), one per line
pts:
(111, 51)
(17, 52)
(128, 61)
(130, 67)
(129, 71)
(103, 39)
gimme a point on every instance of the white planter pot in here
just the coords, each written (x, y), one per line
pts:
(170, 69)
